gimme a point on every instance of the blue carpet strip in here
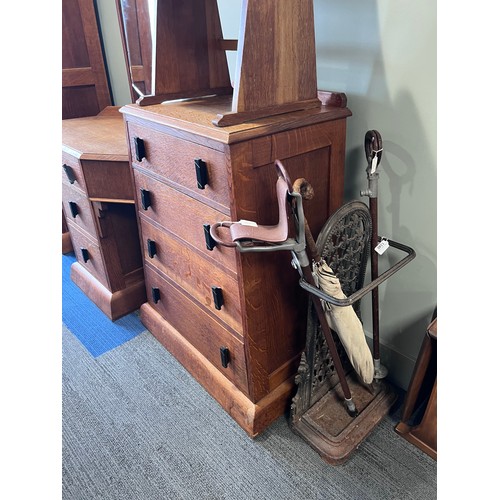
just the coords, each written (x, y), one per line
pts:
(88, 323)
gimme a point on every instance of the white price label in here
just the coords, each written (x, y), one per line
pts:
(382, 246)
(244, 222)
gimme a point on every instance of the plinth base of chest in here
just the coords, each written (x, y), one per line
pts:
(252, 417)
(113, 304)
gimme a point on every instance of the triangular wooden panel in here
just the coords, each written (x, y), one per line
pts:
(189, 60)
(276, 65)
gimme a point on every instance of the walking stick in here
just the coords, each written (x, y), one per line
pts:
(302, 187)
(373, 151)
(325, 327)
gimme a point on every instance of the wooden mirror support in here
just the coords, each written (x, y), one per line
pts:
(188, 60)
(175, 52)
(276, 56)
(276, 61)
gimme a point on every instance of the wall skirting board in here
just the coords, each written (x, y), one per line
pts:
(400, 366)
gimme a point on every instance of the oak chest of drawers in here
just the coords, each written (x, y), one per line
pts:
(99, 208)
(235, 321)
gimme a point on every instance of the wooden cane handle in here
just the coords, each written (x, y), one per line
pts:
(305, 190)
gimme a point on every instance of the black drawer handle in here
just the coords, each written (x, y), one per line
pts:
(85, 255)
(151, 248)
(140, 149)
(145, 198)
(224, 357)
(218, 298)
(201, 173)
(155, 294)
(73, 208)
(70, 174)
(210, 242)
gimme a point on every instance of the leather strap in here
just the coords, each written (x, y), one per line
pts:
(240, 231)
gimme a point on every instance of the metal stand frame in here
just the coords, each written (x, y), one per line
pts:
(316, 413)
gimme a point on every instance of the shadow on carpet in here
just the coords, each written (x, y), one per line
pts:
(88, 323)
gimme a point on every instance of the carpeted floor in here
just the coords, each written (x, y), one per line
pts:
(137, 426)
(88, 323)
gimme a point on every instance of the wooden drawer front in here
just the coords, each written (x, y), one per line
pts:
(183, 216)
(109, 180)
(72, 173)
(194, 274)
(199, 328)
(88, 253)
(174, 160)
(77, 209)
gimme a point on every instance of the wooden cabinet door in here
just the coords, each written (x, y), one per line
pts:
(85, 89)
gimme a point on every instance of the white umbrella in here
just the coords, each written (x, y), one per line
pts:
(342, 319)
(345, 321)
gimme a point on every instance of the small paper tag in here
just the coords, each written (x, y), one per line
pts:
(382, 246)
(374, 164)
(244, 222)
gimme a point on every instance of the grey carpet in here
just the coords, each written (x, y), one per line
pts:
(137, 426)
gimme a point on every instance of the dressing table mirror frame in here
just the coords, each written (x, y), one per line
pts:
(275, 62)
(135, 33)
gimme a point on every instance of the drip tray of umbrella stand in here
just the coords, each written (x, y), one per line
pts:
(329, 429)
(318, 412)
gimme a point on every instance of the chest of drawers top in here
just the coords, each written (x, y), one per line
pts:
(101, 137)
(194, 118)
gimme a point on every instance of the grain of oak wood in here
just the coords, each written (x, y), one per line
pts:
(85, 89)
(277, 64)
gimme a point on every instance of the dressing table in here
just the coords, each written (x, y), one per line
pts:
(99, 209)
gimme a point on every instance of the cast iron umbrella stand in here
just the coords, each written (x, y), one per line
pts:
(331, 410)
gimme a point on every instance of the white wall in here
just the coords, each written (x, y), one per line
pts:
(382, 54)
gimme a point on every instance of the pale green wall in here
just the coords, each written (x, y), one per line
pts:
(382, 54)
